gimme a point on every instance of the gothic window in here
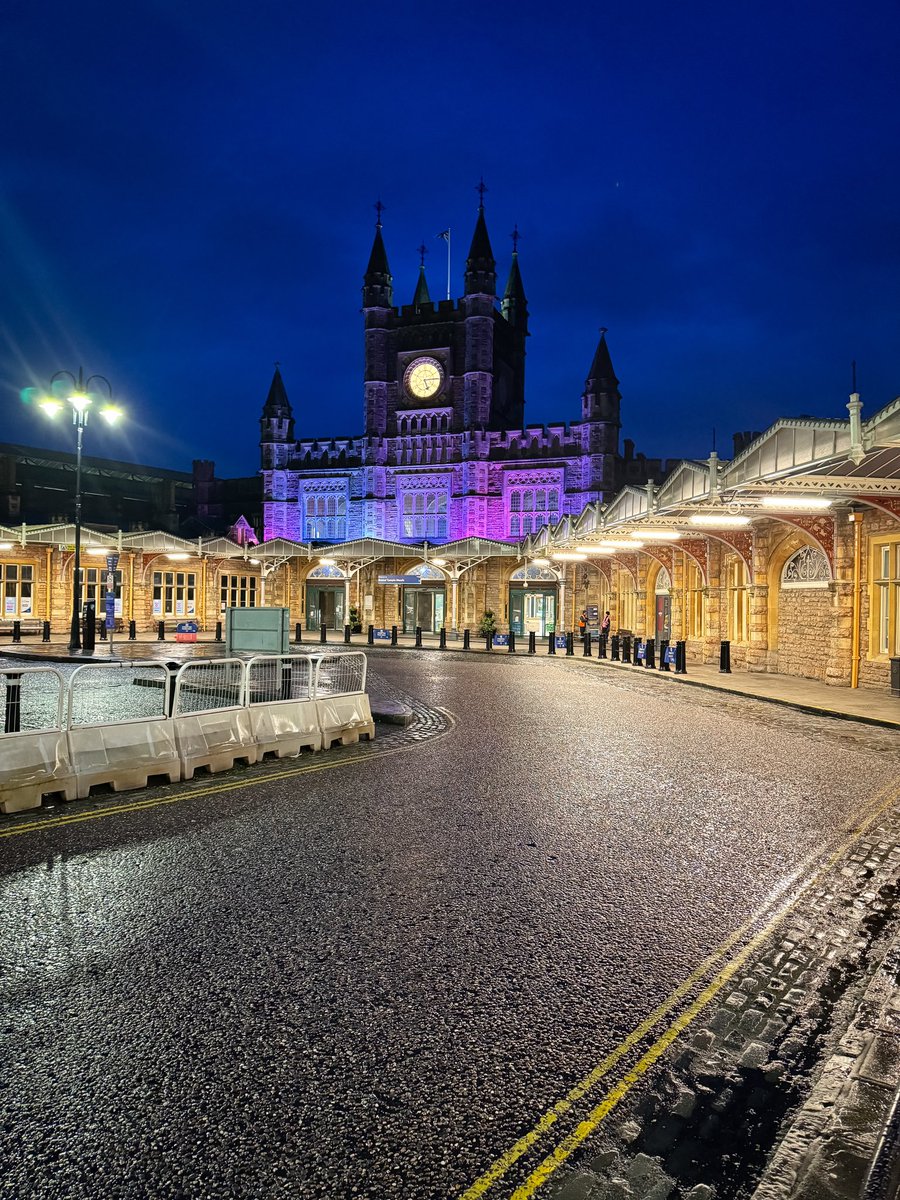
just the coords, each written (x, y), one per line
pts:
(554, 501)
(807, 568)
(514, 526)
(515, 502)
(528, 501)
(424, 515)
(526, 525)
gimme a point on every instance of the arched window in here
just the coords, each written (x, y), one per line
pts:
(807, 568)
(514, 526)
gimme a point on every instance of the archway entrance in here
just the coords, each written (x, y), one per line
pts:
(424, 604)
(325, 593)
(533, 601)
(663, 597)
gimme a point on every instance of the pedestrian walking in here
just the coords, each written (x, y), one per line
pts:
(604, 625)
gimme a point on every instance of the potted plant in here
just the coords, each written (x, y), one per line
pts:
(355, 620)
(487, 624)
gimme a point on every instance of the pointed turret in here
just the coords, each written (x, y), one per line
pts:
(378, 291)
(515, 306)
(601, 398)
(421, 296)
(277, 404)
(276, 425)
(481, 267)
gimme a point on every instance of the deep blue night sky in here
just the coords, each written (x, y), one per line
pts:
(187, 194)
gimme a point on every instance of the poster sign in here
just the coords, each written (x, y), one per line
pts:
(501, 639)
(670, 655)
(186, 631)
(593, 612)
(640, 652)
(399, 580)
(561, 641)
(381, 635)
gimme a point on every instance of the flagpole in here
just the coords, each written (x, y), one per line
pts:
(448, 262)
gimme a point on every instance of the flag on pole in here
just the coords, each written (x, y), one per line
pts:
(445, 235)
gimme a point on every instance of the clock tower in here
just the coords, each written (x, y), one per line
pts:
(454, 366)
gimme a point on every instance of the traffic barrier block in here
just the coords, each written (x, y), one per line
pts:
(124, 755)
(33, 765)
(285, 728)
(345, 719)
(215, 739)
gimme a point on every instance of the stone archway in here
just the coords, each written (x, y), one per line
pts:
(800, 607)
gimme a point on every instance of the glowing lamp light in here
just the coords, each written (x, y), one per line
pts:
(620, 543)
(569, 556)
(6, 545)
(439, 562)
(112, 415)
(98, 550)
(179, 557)
(541, 562)
(593, 548)
(711, 521)
(79, 401)
(657, 535)
(795, 503)
(326, 562)
(254, 562)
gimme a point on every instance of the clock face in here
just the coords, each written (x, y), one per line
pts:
(423, 378)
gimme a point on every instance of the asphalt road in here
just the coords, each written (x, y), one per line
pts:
(372, 979)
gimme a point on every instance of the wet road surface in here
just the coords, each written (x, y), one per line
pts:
(372, 979)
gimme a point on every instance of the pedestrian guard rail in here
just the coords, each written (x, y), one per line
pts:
(123, 723)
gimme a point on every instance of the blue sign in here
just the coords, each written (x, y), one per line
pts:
(112, 561)
(110, 611)
(401, 580)
(381, 635)
(501, 639)
(641, 652)
(561, 641)
(186, 627)
(670, 654)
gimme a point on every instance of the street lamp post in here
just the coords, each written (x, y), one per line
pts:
(80, 399)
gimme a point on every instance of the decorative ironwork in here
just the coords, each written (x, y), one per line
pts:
(808, 566)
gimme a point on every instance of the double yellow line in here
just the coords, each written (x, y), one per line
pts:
(590, 1122)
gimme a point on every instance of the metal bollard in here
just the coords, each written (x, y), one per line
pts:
(650, 654)
(488, 641)
(511, 644)
(101, 625)
(601, 646)
(442, 639)
(531, 642)
(12, 717)
(161, 631)
(466, 645)
(680, 658)
(370, 636)
(173, 669)
(615, 648)
(586, 648)
(298, 632)
(570, 644)
(45, 632)
(393, 635)
(323, 633)
(218, 631)
(17, 634)
(132, 631)
(663, 648)
(418, 637)
(551, 643)
(626, 649)
(725, 658)
(346, 635)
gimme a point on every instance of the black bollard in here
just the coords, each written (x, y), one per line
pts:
(418, 637)
(346, 635)
(680, 658)
(642, 646)
(511, 644)
(45, 632)
(132, 631)
(466, 645)
(488, 641)
(12, 717)
(89, 630)
(442, 639)
(586, 648)
(393, 635)
(626, 649)
(370, 636)
(17, 634)
(650, 654)
(663, 650)
(323, 633)
(219, 631)
(161, 631)
(601, 646)
(287, 679)
(532, 640)
(615, 648)
(725, 658)
(551, 643)
(298, 632)
(570, 644)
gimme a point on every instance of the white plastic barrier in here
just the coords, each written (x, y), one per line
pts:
(342, 706)
(212, 724)
(34, 754)
(283, 715)
(118, 731)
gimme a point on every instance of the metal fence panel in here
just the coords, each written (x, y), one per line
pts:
(118, 692)
(279, 677)
(206, 686)
(32, 699)
(339, 674)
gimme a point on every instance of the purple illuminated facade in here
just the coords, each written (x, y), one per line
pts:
(445, 453)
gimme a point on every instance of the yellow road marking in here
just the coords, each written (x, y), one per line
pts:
(550, 1164)
(272, 776)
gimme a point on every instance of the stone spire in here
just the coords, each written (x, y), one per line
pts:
(481, 267)
(378, 291)
(601, 398)
(422, 296)
(515, 306)
(277, 405)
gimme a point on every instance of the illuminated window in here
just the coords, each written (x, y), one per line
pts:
(424, 515)
(238, 591)
(325, 517)
(627, 601)
(17, 582)
(93, 587)
(886, 598)
(543, 504)
(736, 582)
(695, 619)
(174, 594)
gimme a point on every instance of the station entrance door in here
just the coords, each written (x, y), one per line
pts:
(423, 608)
(532, 610)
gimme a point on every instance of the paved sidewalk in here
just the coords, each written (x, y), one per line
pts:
(877, 707)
